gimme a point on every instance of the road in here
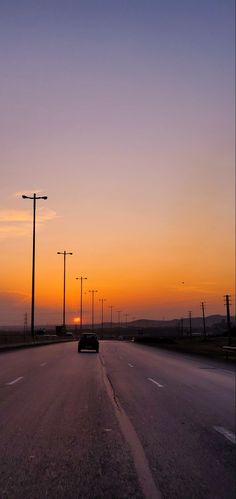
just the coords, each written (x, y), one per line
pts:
(130, 422)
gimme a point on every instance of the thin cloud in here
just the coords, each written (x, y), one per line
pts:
(15, 216)
(9, 231)
(12, 298)
(18, 223)
(23, 216)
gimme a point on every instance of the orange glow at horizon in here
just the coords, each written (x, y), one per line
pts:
(144, 284)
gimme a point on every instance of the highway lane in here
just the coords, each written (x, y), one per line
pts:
(59, 436)
(130, 422)
(178, 404)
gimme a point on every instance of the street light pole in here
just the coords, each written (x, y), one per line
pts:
(81, 300)
(34, 198)
(93, 291)
(64, 253)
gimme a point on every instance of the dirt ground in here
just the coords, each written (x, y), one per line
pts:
(210, 346)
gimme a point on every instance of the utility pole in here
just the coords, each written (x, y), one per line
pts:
(126, 321)
(111, 308)
(227, 304)
(119, 321)
(93, 291)
(182, 326)
(190, 323)
(203, 318)
(25, 322)
(34, 198)
(102, 301)
(64, 253)
(81, 300)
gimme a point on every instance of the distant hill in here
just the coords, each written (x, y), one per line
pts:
(216, 320)
(211, 320)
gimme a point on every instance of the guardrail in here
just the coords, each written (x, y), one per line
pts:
(32, 344)
(228, 350)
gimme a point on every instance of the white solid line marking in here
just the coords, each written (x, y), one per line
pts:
(130, 365)
(43, 364)
(15, 381)
(144, 473)
(227, 434)
(155, 382)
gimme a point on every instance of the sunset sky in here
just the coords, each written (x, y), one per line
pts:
(122, 113)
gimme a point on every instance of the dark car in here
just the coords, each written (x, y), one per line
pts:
(88, 341)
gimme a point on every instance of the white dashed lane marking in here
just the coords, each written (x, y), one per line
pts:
(155, 382)
(130, 365)
(14, 381)
(229, 435)
(43, 364)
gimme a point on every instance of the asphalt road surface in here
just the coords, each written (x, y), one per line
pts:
(129, 422)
